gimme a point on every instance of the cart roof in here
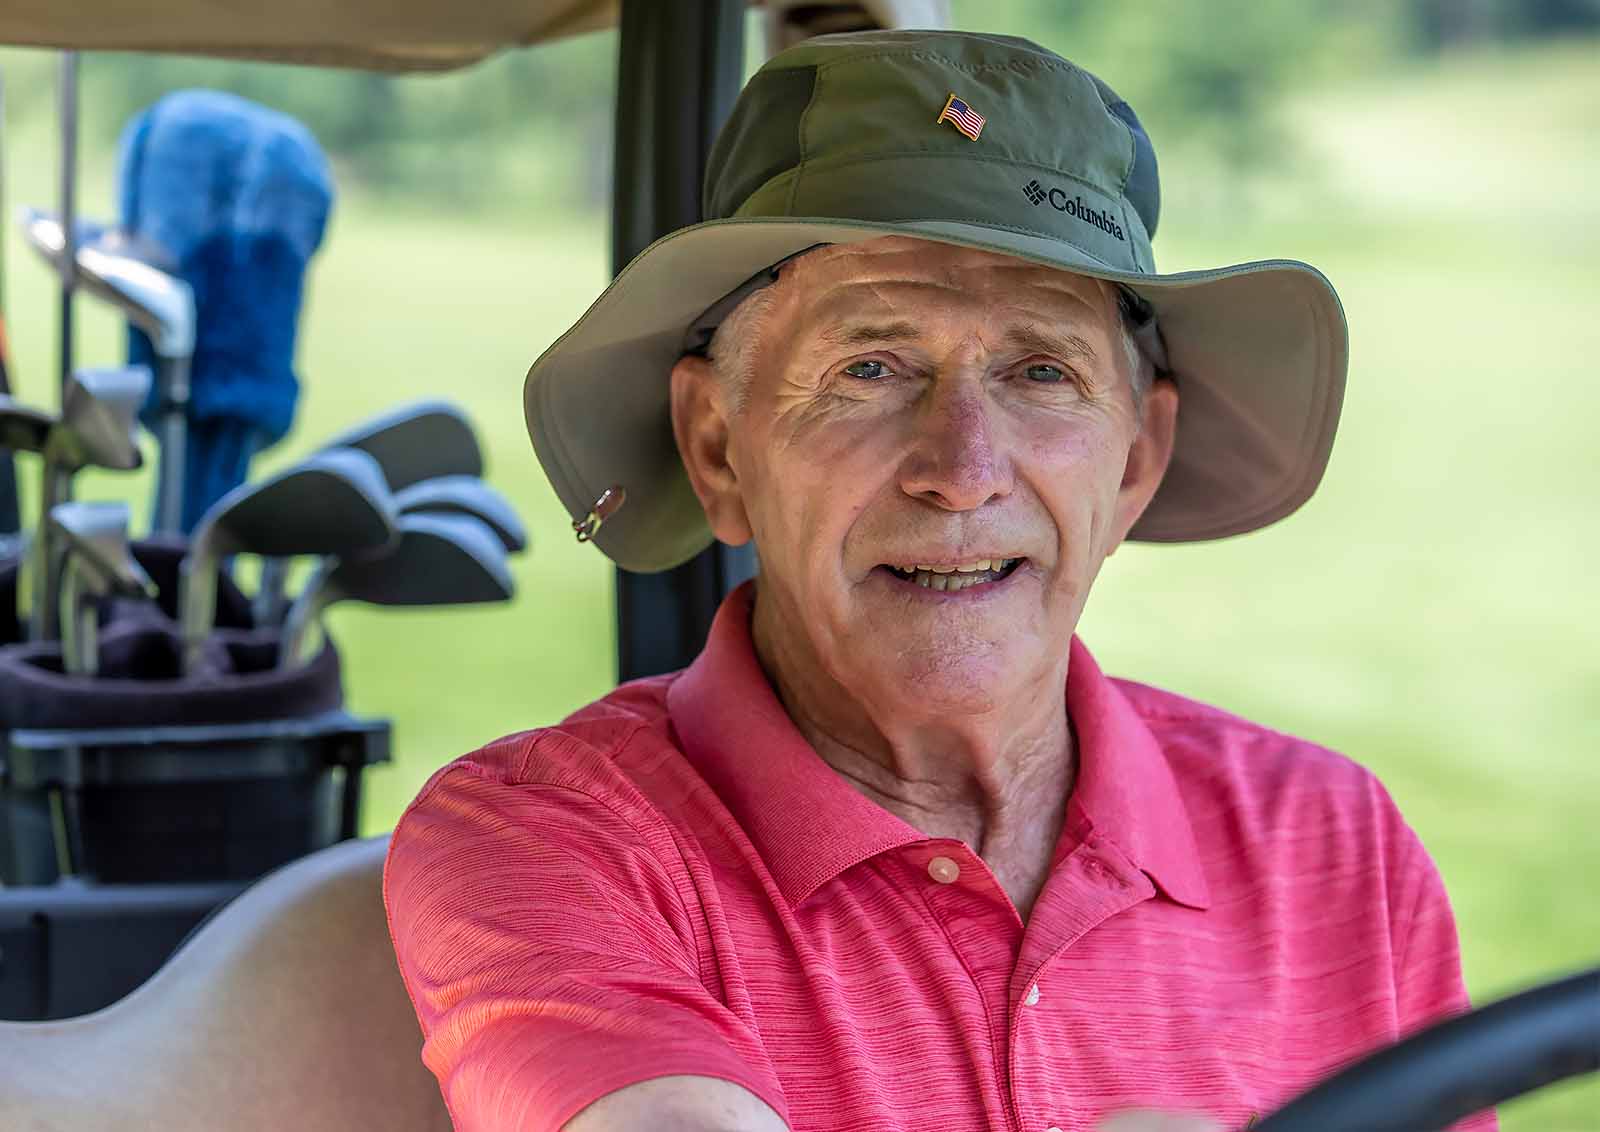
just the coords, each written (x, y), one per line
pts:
(387, 35)
(405, 35)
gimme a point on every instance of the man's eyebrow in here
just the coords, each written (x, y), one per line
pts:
(1063, 346)
(1034, 339)
(849, 334)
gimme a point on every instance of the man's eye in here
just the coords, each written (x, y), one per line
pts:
(1045, 373)
(869, 370)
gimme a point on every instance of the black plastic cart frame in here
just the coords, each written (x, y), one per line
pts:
(679, 68)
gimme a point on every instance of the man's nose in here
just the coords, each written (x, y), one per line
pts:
(956, 460)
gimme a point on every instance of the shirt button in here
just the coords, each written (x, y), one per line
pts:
(1032, 998)
(944, 870)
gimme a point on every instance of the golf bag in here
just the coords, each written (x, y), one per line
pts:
(135, 803)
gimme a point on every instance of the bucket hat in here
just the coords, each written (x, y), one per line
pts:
(982, 141)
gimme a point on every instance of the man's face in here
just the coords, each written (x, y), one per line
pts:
(916, 405)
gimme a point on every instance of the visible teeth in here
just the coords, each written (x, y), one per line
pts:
(946, 578)
(981, 566)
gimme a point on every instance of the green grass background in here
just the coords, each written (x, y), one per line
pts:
(1432, 612)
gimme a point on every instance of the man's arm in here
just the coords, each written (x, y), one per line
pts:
(1427, 957)
(679, 1104)
(551, 957)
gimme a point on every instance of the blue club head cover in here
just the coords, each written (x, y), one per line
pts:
(238, 196)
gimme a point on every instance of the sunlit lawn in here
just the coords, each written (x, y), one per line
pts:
(1432, 612)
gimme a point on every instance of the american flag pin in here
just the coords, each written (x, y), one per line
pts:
(961, 116)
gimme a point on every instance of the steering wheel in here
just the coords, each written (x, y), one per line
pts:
(1458, 1067)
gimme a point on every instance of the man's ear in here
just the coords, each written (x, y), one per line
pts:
(1148, 456)
(700, 421)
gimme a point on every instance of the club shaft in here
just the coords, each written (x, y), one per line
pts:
(4, 220)
(269, 605)
(45, 580)
(173, 393)
(69, 201)
(197, 602)
(80, 646)
(303, 614)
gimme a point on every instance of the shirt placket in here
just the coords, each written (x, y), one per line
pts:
(983, 927)
(1091, 884)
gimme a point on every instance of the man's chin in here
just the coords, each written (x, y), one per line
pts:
(940, 678)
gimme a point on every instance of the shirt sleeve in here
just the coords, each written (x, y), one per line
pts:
(549, 955)
(1428, 982)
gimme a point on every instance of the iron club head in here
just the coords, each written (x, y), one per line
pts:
(417, 441)
(117, 271)
(465, 495)
(335, 502)
(439, 560)
(120, 270)
(98, 562)
(412, 443)
(23, 428)
(99, 425)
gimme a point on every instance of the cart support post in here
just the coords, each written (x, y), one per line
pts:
(679, 69)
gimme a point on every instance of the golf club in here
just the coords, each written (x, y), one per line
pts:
(98, 427)
(440, 560)
(465, 495)
(117, 269)
(444, 495)
(98, 562)
(417, 441)
(335, 502)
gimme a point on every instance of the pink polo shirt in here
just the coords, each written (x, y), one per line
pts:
(672, 881)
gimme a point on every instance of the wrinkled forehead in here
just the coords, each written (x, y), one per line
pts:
(904, 276)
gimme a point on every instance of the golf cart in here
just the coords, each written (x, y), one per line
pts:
(290, 990)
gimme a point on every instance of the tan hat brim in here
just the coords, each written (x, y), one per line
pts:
(1259, 351)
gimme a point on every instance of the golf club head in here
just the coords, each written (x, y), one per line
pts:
(23, 429)
(439, 560)
(160, 304)
(42, 230)
(417, 441)
(334, 502)
(99, 425)
(97, 535)
(465, 495)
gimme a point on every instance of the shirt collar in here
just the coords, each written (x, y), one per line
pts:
(809, 825)
(1125, 785)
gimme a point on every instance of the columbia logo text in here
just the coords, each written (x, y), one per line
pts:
(1073, 206)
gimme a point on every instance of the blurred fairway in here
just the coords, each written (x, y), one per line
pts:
(1432, 612)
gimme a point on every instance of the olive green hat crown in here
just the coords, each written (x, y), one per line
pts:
(844, 126)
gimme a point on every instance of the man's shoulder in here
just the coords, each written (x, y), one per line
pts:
(586, 751)
(1237, 762)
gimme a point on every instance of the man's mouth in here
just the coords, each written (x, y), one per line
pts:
(954, 576)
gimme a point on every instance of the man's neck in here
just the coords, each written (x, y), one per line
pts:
(998, 781)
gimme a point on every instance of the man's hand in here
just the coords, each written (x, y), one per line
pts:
(1143, 1120)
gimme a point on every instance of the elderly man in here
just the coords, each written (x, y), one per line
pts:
(893, 853)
